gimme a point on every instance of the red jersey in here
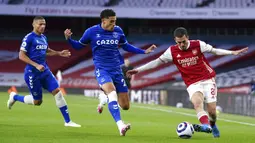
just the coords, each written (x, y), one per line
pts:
(191, 63)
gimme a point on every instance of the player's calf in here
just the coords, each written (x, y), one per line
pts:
(13, 97)
(212, 119)
(123, 100)
(62, 105)
(124, 106)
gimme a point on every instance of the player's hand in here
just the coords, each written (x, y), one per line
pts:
(150, 49)
(68, 33)
(65, 53)
(131, 72)
(40, 68)
(238, 52)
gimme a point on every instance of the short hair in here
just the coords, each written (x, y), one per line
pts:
(38, 18)
(106, 13)
(180, 32)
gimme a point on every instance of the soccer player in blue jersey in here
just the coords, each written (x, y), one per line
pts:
(104, 40)
(33, 51)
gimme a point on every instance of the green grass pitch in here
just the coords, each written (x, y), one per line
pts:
(150, 124)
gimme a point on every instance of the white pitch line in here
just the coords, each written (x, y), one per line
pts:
(192, 115)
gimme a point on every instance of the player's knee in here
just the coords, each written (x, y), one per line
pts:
(37, 102)
(54, 92)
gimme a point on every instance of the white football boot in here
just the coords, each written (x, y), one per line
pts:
(124, 128)
(11, 100)
(72, 124)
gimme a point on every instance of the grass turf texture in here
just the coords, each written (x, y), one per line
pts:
(150, 124)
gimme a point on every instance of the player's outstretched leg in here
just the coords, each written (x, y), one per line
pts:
(13, 97)
(197, 100)
(62, 105)
(115, 112)
(102, 101)
(204, 127)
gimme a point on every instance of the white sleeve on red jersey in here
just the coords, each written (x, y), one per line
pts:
(208, 48)
(205, 47)
(166, 56)
(150, 65)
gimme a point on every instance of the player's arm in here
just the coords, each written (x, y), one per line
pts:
(131, 48)
(64, 53)
(23, 57)
(51, 52)
(164, 58)
(208, 48)
(77, 44)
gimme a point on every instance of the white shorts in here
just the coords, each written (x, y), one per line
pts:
(207, 87)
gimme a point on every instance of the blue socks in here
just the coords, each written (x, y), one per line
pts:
(65, 114)
(19, 98)
(114, 109)
(61, 104)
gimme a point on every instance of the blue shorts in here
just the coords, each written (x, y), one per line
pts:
(38, 80)
(116, 77)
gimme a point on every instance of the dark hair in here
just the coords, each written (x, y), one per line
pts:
(180, 32)
(106, 13)
(38, 18)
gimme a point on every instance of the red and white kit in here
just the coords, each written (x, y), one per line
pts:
(196, 72)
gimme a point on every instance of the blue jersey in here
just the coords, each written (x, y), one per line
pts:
(36, 48)
(104, 46)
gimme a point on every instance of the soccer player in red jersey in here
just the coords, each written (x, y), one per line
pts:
(197, 74)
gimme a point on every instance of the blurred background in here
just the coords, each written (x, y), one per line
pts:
(226, 24)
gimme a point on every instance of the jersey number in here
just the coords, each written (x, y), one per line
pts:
(97, 73)
(213, 91)
(123, 81)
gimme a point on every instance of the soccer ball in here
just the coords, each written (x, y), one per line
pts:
(185, 130)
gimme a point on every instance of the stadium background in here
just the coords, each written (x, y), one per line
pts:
(227, 24)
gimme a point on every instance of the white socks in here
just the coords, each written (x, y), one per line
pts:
(120, 124)
(28, 99)
(113, 96)
(60, 100)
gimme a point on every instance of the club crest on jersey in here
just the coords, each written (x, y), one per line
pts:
(115, 34)
(194, 52)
